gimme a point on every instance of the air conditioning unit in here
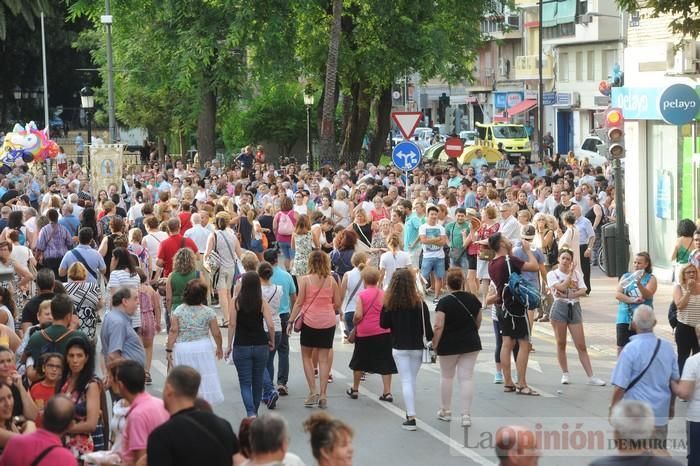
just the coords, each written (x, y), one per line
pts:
(683, 60)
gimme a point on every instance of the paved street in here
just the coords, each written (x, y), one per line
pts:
(378, 433)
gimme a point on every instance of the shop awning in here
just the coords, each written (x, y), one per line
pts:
(523, 106)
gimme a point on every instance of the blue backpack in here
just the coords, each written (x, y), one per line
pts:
(522, 291)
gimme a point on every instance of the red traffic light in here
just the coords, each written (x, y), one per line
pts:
(614, 123)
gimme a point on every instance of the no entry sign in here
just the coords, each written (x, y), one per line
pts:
(454, 147)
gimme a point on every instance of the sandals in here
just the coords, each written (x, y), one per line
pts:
(527, 391)
(352, 393)
(388, 397)
(509, 388)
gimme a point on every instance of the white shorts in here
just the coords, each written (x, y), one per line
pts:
(482, 270)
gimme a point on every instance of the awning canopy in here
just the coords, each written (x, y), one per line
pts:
(523, 106)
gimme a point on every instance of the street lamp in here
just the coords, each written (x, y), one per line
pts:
(87, 102)
(308, 101)
(17, 94)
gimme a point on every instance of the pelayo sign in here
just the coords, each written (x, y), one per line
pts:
(679, 104)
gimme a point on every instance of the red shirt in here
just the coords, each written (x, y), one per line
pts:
(23, 449)
(41, 394)
(185, 223)
(168, 247)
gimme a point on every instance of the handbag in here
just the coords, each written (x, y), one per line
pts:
(299, 321)
(213, 261)
(428, 356)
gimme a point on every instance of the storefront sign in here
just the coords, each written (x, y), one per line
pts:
(637, 103)
(530, 94)
(503, 100)
(679, 104)
(549, 98)
(664, 196)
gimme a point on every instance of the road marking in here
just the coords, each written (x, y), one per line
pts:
(453, 444)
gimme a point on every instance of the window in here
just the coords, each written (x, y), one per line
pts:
(563, 69)
(609, 59)
(590, 65)
(579, 66)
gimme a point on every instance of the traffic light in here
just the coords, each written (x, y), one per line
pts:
(615, 132)
(449, 120)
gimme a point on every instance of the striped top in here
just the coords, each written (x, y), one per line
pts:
(690, 314)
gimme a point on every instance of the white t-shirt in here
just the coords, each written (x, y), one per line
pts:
(556, 276)
(691, 372)
(153, 241)
(432, 231)
(272, 294)
(354, 277)
(389, 262)
(510, 228)
(120, 278)
(134, 212)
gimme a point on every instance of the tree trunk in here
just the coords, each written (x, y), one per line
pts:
(327, 141)
(206, 127)
(357, 122)
(349, 104)
(383, 123)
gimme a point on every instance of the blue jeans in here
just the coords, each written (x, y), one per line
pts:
(269, 375)
(250, 364)
(693, 429)
(283, 352)
(348, 322)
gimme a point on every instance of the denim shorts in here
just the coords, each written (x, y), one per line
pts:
(433, 264)
(286, 249)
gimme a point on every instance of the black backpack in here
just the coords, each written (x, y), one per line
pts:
(52, 346)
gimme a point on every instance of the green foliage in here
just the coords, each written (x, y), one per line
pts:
(276, 115)
(27, 9)
(685, 13)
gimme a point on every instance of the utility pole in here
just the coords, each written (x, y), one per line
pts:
(107, 21)
(540, 90)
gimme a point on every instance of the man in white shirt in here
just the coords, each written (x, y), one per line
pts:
(553, 200)
(198, 233)
(433, 237)
(510, 228)
(135, 209)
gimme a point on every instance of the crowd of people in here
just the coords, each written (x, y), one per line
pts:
(285, 250)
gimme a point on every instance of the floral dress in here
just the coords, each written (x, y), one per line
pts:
(303, 245)
(79, 444)
(378, 242)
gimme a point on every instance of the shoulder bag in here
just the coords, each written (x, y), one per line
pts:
(428, 356)
(641, 374)
(299, 321)
(214, 259)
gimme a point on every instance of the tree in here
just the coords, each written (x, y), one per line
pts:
(28, 9)
(685, 13)
(275, 115)
(327, 141)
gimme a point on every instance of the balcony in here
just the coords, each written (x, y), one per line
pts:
(527, 67)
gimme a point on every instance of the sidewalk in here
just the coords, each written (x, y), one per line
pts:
(600, 313)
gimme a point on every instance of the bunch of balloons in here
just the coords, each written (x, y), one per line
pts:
(24, 145)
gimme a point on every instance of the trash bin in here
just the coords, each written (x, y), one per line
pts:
(610, 252)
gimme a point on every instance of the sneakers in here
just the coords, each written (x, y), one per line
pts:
(444, 415)
(311, 400)
(498, 378)
(282, 390)
(272, 401)
(330, 378)
(466, 420)
(149, 380)
(323, 403)
(596, 381)
(565, 378)
(409, 424)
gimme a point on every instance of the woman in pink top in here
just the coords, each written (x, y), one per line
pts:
(372, 342)
(316, 304)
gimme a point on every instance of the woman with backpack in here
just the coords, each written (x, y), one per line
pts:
(283, 227)
(567, 286)
(115, 238)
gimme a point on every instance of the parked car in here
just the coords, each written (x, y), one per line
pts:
(468, 137)
(589, 150)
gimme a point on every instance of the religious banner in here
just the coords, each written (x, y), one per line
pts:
(106, 164)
